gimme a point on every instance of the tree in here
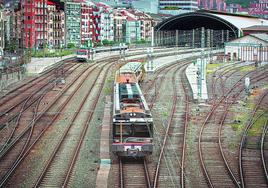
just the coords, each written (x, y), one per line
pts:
(12, 46)
(70, 45)
(106, 42)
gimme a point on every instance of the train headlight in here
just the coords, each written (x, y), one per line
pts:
(134, 114)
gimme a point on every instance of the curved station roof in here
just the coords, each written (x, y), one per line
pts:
(210, 20)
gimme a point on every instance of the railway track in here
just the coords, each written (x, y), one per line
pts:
(14, 92)
(221, 75)
(11, 107)
(133, 173)
(18, 121)
(225, 176)
(20, 146)
(54, 167)
(264, 153)
(143, 178)
(250, 158)
(172, 153)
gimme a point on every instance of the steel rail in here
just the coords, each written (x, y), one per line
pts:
(3, 149)
(157, 171)
(85, 128)
(242, 142)
(263, 159)
(147, 175)
(66, 131)
(19, 114)
(186, 113)
(25, 99)
(19, 160)
(121, 179)
(49, 72)
(212, 110)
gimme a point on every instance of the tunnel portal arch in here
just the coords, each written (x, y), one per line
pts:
(207, 28)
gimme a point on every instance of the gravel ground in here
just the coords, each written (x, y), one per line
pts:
(43, 149)
(87, 164)
(88, 161)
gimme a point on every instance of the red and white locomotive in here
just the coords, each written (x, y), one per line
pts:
(132, 119)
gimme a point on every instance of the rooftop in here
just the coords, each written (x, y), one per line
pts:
(261, 36)
(256, 27)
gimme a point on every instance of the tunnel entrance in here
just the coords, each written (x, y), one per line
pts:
(195, 29)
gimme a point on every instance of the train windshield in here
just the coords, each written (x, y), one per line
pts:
(133, 131)
(81, 52)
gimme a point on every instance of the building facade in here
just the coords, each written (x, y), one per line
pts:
(177, 6)
(87, 27)
(146, 6)
(72, 23)
(18, 27)
(55, 25)
(132, 30)
(106, 22)
(34, 23)
(119, 25)
(28, 23)
(218, 5)
(2, 30)
(40, 18)
(234, 8)
(253, 47)
(259, 8)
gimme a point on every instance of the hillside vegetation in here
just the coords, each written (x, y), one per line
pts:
(243, 3)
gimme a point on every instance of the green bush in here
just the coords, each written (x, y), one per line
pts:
(142, 41)
(60, 53)
(70, 45)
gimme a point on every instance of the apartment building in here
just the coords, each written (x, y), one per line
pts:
(72, 22)
(177, 6)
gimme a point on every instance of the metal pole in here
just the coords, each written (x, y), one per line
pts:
(152, 40)
(121, 132)
(152, 63)
(177, 38)
(193, 38)
(148, 59)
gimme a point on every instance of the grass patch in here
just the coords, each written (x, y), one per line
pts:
(109, 87)
(232, 146)
(257, 126)
(211, 67)
(56, 53)
(110, 79)
(239, 121)
(250, 103)
(165, 114)
(247, 68)
(108, 90)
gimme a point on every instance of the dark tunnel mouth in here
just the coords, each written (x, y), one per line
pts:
(189, 21)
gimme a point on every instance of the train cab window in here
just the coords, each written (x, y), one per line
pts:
(141, 131)
(126, 130)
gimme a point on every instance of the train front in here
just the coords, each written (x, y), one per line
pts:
(132, 119)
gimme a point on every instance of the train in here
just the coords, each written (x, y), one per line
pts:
(83, 54)
(132, 121)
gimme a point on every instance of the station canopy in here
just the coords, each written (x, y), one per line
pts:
(210, 20)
